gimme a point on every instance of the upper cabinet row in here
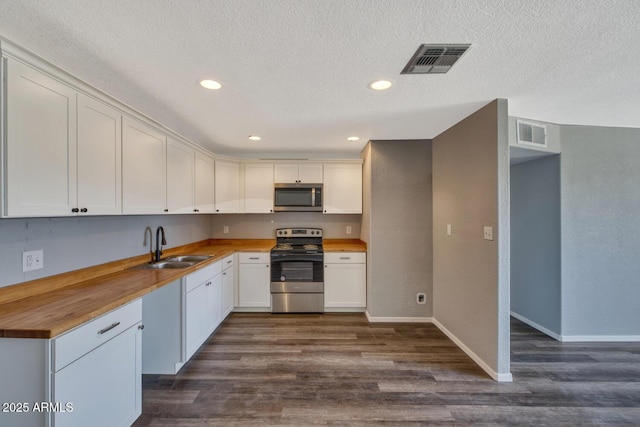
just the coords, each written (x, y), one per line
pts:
(68, 154)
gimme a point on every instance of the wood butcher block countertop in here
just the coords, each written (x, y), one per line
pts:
(50, 306)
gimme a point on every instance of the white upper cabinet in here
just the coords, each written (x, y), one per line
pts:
(99, 158)
(143, 168)
(310, 173)
(40, 144)
(180, 177)
(204, 182)
(258, 187)
(343, 188)
(227, 187)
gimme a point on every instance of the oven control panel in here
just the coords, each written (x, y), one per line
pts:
(299, 232)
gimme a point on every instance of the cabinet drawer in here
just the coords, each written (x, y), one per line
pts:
(345, 257)
(227, 262)
(196, 278)
(255, 257)
(81, 340)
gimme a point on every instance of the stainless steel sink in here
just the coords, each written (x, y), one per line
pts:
(164, 264)
(189, 258)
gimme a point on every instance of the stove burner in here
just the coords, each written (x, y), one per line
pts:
(284, 247)
(311, 247)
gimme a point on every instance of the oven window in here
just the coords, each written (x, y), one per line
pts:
(293, 197)
(298, 271)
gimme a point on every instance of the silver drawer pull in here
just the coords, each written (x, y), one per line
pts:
(108, 328)
(345, 257)
(230, 261)
(253, 257)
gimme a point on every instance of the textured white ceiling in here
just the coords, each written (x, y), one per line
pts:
(296, 71)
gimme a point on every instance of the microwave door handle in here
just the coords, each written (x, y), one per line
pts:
(313, 196)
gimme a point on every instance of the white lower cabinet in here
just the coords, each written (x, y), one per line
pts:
(254, 280)
(88, 376)
(345, 280)
(179, 317)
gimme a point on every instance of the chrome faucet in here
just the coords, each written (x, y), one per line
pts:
(158, 244)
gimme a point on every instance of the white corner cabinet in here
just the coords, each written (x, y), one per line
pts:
(254, 281)
(180, 316)
(227, 186)
(92, 373)
(345, 281)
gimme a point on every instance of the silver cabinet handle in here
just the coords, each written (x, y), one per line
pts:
(345, 257)
(108, 328)
(230, 261)
(253, 257)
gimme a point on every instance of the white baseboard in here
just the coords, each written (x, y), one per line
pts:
(398, 319)
(600, 338)
(505, 377)
(534, 325)
(577, 338)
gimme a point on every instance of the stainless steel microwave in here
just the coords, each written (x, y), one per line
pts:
(297, 198)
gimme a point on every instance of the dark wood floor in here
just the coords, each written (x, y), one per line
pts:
(339, 370)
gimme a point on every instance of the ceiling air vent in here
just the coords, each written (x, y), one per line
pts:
(434, 58)
(532, 134)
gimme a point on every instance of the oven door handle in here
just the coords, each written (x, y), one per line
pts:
(289, 258)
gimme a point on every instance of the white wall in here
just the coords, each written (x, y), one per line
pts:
(471, 275)
(77, 242)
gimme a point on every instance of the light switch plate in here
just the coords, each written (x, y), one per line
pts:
(488, 233)
(348, 229)
(449, 231)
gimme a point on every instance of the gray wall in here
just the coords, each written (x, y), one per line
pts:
(263, 226)
(600, 186)
(471, 275)
(397, 219)
(78, 242)
(535, 242)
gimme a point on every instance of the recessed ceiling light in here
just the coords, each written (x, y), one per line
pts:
(254, 137)
(380, 84)
(210, 84)
(353, 138)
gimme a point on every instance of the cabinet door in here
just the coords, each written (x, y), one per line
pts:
(104, 386)
(99, 158)
(228, 285)
(205, 178)
(227, 183)
(41, 144)
(345, 285)
(180, 177)
(258, 188)
(310, 173)
(254, 285)
(143, 168)
(343, 188)
(195, 315)
(286, 173)
(213, 314)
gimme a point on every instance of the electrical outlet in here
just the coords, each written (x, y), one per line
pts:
(449, 230)
(488, 233)
(33, 260)
(348, 229)
(421, 298)
(225, 229)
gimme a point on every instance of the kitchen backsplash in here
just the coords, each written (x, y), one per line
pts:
(263, 226)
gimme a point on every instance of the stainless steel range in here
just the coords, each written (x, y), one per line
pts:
(297, 274)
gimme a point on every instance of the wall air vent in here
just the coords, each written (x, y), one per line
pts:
(531, 134)
(434, 58)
